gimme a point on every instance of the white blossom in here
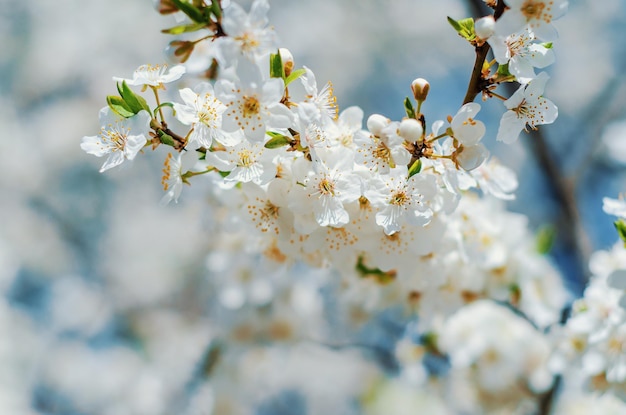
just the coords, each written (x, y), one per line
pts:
(120, 138)
(526, 107)
(154, 75)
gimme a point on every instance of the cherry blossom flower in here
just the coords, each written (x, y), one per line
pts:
(172, 180)
(526, 107)
(204, 112)
(246, 161)
(324, 102)
(120, 138)
(381, 151)
(253, 104)
(537, 14)
(326, 188)
(248, 34)
(468, 132)
(522, 55)
(343, 130)
(154, 75)
(401, 199)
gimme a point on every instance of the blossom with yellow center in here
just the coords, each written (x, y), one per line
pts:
(120, 138)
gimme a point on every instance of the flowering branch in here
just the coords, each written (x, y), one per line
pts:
(477, 81)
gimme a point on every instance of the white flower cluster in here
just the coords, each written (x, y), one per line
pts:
(404, 211)
(516, 39)
(311, 181)
(592, 344)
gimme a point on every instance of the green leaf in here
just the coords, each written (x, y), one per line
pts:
(415, 168)
(278, 141)
(503, 70)
(464, 27)
(215, 8)
(119, 106)
(545, 239)
(408, 107)
(187, 28)
(294, 75)
(190, 10)
(454, 24)
(620, 225)
(381, 277)
(135, 102)
(547, 45)
(276, 66)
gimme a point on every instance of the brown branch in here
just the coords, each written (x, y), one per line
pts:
(477, 82)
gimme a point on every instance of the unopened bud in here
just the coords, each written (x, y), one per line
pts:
(420, 88)
(484, 27)
(287, 58)
(376, 123)
(411, 130)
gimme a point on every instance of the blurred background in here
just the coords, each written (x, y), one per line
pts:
(105, 302)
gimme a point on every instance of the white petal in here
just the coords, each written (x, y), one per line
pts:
(510, 127)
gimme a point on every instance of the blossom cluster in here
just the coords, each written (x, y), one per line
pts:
(402, 214)
(312, 182)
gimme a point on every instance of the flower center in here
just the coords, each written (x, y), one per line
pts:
(248, 42)
(532, 9)
(516, 44)
(207, 114)
(116, 138)
(382, 152)
(522, 110)
(269, 211)
(250, 106)
(399, 198)
(326, 187)
(246, 158)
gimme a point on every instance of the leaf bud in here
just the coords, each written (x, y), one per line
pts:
(420, 88)
(485, 27)
(287, 58)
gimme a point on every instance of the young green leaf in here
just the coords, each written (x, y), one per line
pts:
(408, 107)
(119, 106)
(190, 10)
(294, 75)
(276, 66)
(464, 27)
(503, 70)
(277, 141)
(186, 28)
(135, 102)
(215, 9)
(415, 168)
